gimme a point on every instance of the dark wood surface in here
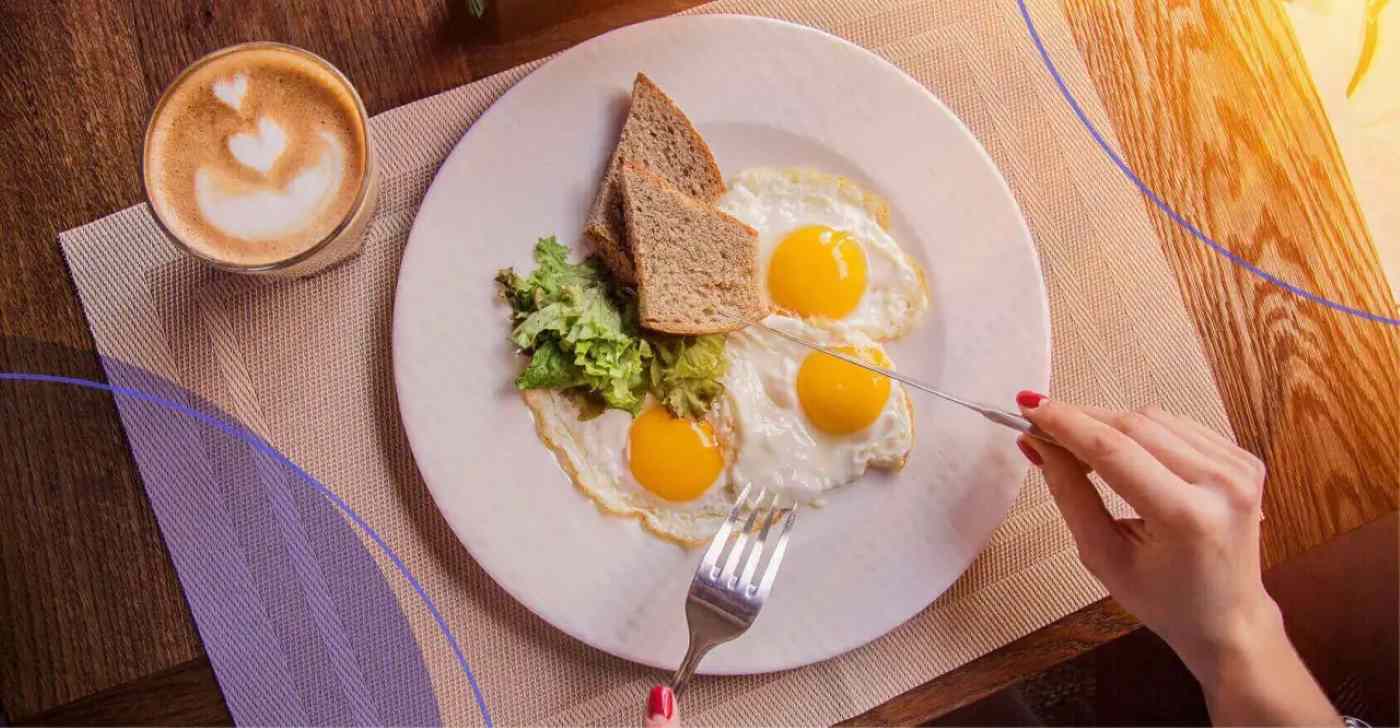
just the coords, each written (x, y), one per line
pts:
(180, 695)
(1209, 98)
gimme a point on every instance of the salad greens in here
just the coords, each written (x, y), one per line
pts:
(582, 334)
(685, 371)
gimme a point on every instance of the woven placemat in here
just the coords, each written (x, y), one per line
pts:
(305, 365)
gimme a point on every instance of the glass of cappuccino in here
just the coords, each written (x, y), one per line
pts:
(258, 160)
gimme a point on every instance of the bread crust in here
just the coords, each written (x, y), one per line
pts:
(605, 228)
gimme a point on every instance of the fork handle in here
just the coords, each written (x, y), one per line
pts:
(693, 655)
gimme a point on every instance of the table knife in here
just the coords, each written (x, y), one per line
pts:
(1001, 417)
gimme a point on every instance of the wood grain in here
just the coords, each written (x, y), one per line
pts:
(1208, 98)
(180, 695)
(1216, 112)
(88, 598)
(1064, 639)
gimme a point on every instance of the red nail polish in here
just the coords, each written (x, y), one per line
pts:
(1028, 399)
(661, 702)
(1030, 453)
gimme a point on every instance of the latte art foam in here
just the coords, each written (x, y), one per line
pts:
(263, 214)
(256, 156)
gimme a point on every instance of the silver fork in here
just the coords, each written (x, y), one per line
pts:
(724, 601)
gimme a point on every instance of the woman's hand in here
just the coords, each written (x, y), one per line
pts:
(661, 709)
(1189, 566)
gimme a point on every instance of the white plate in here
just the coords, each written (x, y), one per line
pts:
(762, 92)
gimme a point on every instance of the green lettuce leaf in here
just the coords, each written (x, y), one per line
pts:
(582, 333)
(685, 372)
(549, 368)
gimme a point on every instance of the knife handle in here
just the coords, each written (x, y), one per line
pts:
(1019, 423)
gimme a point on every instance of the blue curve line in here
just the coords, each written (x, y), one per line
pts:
(262, 446)
(1172, 213)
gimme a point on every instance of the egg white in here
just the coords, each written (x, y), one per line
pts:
(766, 437)
(594, 454)
(775, 202)
(773, 443)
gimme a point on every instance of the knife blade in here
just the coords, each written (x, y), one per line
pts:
(1001, 417)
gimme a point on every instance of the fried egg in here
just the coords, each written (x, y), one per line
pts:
(803, 423)
(669, 472)
(796, 422)
(825, 254)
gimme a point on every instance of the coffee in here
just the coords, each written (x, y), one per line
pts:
(257, 156)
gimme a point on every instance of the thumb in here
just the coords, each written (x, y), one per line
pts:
(1091, 524)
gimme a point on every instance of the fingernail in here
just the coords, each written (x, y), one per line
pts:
(1030, 453)
(661, 702)
(1028, 399)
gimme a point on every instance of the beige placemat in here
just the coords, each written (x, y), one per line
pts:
(306, 364)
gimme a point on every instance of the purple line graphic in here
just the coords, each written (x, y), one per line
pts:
(299, 622)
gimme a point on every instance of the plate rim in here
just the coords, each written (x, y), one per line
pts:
(397, 325)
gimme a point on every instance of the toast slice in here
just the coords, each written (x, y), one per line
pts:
(697, 268)
(658, 136)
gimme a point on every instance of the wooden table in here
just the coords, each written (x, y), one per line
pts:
(92, 623)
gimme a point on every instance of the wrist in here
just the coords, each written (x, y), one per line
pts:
(1256, 676)
(1255, 639)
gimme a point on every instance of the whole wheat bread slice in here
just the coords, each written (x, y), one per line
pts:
(658, 136)
(697, 268)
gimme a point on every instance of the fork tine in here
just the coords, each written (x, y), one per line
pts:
(707, 564)
(732, 563)
(769, 518)
(770, 572)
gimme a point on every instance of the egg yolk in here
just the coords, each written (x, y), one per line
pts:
(841, 398)
(673, 457)
(817, 271)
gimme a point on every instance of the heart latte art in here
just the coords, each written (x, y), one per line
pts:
(256, 156)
